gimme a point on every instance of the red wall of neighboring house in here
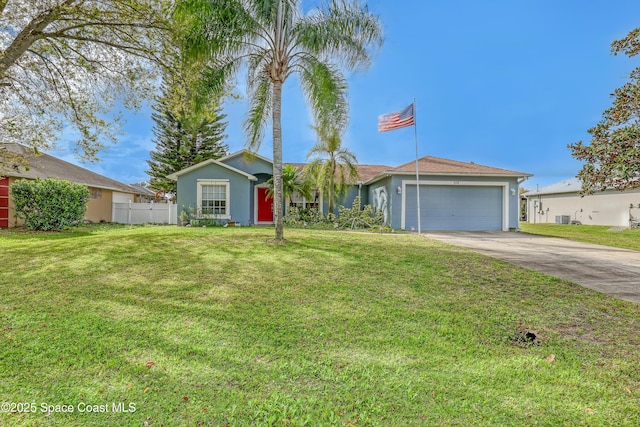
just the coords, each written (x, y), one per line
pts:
(4, 202)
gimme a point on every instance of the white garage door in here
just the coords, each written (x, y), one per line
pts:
(122, 197)
(455, 207)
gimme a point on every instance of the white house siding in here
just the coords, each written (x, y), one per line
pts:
(607, 208)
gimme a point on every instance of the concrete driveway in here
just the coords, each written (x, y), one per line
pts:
(609, 270)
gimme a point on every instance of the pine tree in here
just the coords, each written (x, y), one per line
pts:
(184, 135)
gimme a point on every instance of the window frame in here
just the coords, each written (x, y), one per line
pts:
(221, 182)
(306, 203)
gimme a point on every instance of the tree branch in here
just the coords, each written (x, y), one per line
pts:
(132, 50)
(29, 34)
(109, 24)
(3, 4)
(51, 67)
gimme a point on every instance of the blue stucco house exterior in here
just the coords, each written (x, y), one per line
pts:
(453, 195)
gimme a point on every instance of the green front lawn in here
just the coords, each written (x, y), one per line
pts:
(216, 327)
(598, 234)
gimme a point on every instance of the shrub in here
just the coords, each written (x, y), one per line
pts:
(351, 218)
(304, 217)
(312, 216)
(292, 217)
(355, 217)
(49, 204)
(185, 216)
(194, 217)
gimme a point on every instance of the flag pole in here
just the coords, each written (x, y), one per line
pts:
(415, 130)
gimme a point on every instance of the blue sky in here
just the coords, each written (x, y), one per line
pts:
(502, 83)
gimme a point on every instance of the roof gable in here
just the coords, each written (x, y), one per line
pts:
(174, 176)
(249, 162)
(244, 152)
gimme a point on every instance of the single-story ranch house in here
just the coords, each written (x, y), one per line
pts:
(562, 203)
(104, 191)
(453, 195)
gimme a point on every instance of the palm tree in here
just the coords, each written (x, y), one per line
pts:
(333, 167)
(293, 181)
(275, 39)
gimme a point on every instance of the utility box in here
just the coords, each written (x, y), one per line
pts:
(563, 219)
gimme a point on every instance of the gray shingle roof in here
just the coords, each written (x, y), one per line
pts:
(142, 190)
(45, 166)
(572, 185)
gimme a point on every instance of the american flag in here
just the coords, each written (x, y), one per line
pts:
(397, 120)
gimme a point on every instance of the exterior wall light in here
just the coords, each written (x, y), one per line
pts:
(399, 190)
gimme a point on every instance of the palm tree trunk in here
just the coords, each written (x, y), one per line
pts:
(332, 186)
(277, 160)
(330, 201)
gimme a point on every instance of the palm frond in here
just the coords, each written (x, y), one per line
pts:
(260, 98)
(317, 150)
(325, 89)
(333, 167)
(293, 181)
(209, 28)
(342, 30)
(266, 11)
(213, 82)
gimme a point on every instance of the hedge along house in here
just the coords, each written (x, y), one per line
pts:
(453, 195)
(104, 191)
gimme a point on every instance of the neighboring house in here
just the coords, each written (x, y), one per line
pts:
(454, 195)
(562, 203)
(144, 195)
(104, 191)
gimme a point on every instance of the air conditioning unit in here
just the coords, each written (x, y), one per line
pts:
(563, 219)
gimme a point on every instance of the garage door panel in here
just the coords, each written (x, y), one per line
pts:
(448, 207)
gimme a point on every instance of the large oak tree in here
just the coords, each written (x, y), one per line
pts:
(65, 65)
(612, 159)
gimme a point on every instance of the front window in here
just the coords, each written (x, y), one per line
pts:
(213, 198)
(95, 193)
(299, 201)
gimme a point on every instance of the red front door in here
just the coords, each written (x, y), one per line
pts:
(265, 206)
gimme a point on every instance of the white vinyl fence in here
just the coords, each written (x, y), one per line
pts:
(145, 213)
